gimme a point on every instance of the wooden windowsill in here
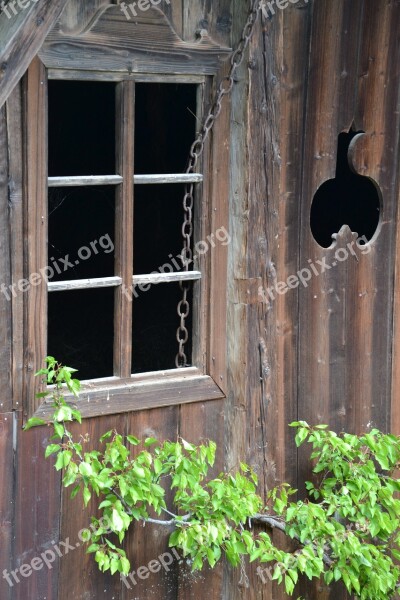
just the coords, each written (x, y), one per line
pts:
(140, 392)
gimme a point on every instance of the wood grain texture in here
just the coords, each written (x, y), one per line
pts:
(241, 412)
(202, 421)
(124, 211)
(90, 584)
(219, 174)
(345, 315)
(93, 75)
(149, 45)
(36, 512)
(16, 218)
(20, 39)
(130, 397)
(5, 275)
(278, 101)
(199, 423)
(7, 492)
(35, 227)
(145, 544)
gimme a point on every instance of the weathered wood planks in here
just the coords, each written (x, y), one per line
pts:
(21, 37)
(5, 275)
(154, 47)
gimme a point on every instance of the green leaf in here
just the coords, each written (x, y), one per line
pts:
(64, 413)
(132, 440)
(86, 495)
(85, 469)
(58, 429)
(138, 471)
(51, 449)
(125, 565)
(289, 585)
(116, 521)
(106, 436)
(150, 441)
(33, 422)
(301, 436)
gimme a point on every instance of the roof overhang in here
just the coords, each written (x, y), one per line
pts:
(21, 36)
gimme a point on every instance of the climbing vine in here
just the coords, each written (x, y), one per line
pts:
(346, 529)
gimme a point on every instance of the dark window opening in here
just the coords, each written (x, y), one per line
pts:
(155, 321)
(158, 223)
(81, 128)
(165, 126)
(80, 330)
(349, 199)
(82, 221)
(81, 232)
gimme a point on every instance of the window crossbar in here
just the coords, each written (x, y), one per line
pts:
(75, 181)
(103, 282)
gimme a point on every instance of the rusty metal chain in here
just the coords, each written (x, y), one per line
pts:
(196, 150)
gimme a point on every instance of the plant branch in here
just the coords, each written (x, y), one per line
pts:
(275, 524)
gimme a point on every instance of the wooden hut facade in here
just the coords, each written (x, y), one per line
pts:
(295, 290)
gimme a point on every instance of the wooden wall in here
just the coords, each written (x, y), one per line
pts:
(326, 353)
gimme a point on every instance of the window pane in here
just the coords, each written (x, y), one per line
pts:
(155, 321)
(81, 128)
(158, 223)
(81, 232)
(80, 331)
(165, 126)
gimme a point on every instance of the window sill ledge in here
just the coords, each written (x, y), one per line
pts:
(140, 392)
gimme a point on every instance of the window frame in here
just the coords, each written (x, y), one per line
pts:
(207, 379)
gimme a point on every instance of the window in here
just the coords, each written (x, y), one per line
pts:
(104, 185)
(160, 128)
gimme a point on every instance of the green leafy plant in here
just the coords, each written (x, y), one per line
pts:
(347, 529)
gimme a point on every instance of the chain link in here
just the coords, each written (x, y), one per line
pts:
(196, 150)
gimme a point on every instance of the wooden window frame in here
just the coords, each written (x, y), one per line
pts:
(206, 380)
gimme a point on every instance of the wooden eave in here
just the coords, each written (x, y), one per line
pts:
(21, 38)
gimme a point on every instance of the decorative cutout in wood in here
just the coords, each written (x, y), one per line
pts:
(349, 199)
(145, 44)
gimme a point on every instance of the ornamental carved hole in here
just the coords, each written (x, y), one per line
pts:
(348, 199)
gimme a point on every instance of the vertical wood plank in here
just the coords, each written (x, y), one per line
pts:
(14, 125)
(124, 228)
(35, 226)
(218, 172)
(198, 423)
(206, 421)
(145, 544)
(377, 156)
(321, 392)
(6, 505)
(243, 392)
(277, 154)
(5, 274)
(37, 513)
(94, 585)
(216, 18)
